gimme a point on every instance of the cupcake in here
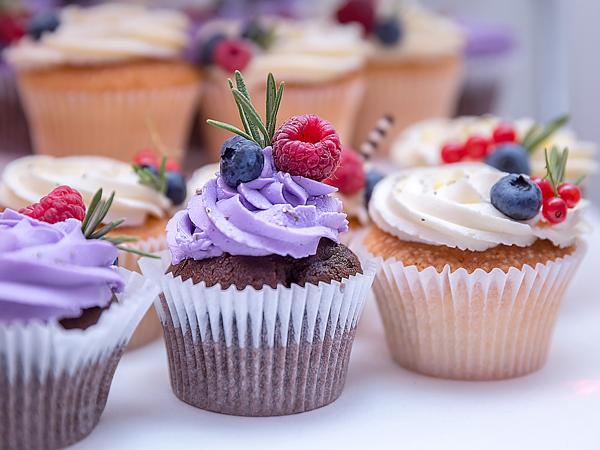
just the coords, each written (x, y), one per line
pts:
(14, 136)
(475, 265)
(259, 301)
(121, 64)
(322, 64)
(516, 146)
(139, 200)
(200, 177)
(66, 314)
(414, 67)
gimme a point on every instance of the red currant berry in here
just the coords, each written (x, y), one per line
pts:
(570, 193)
(146, 158)
(504, 132)
(554, 210)
(452, 152)
(545, 186)
(172, 166)
(477, 147)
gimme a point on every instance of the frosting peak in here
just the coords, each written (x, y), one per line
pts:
(51, 271)
(274, 214)
(450, 205)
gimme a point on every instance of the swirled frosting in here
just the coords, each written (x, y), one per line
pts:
(420, 144)
(426, 35)
(302, 51)
(274, 214)
(450, 205)
(52, 271)
(105, 34)
(27, 179)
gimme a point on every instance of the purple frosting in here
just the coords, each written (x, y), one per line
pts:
(275, 214)
(51, 271)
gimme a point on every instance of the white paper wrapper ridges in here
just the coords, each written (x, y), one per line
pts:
(478, 326)
(54, 382)
(260, 353)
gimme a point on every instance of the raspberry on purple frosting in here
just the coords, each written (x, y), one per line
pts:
(51, 271)
(275, 214)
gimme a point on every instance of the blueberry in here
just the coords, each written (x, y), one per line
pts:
(389, 31)
(517, 197)
(241, 161)
(42, 23)
(176, 188)
(510, 158)
(116, 262)
(373, 177)
(207, 48)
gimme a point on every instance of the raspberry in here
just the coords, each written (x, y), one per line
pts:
(11, 30)
(146, 158)
(349, 177)
(232, 54)
(307, 146)
(59, 205)
(360, 11)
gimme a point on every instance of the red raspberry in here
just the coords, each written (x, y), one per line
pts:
(232, 54)
(146, 157)
(59, 205)
(11, 30)
(349, 177)
(360, 11)
(307, 146)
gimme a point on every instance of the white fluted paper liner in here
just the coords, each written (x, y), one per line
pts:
(259, 352)
(472, 326)
(54, 382)
(113, 124)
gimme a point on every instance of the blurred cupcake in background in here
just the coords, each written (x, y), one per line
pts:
(139, 200)
(414, 66)
(511, 146)
(94, 79)
(322, 63)
(14, 136)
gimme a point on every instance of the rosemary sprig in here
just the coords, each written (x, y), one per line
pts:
(92, 227)
(556, 163)
(254, 128)
(536, 136)
(157, 181)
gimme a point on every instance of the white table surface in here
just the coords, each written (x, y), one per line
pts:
(384, 406)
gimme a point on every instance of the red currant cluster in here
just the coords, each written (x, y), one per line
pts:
(555, 204)
(476, 148)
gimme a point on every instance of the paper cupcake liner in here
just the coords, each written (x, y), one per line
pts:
(149, 328)
(410, 93)
(14, 135)
(336, 101)
(54, 382)
(261, 352)
(114, 124)
(472, 326)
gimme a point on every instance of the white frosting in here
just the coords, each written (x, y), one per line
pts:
(28, 179)
(103, 34)
(303, 51)
(450, 205)
(426, 35)
(420, 144)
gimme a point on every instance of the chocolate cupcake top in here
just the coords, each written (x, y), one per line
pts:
(268, 197)
(475, 207)
(51, 271)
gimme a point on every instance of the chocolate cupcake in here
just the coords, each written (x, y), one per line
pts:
(66, 314)
(260, 302)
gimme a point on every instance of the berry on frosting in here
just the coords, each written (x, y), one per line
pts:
(59, 205)
(373, 177)
(349, 176)
(453, 152)
(545, 187)
(570, 193)
(554, 210)
(358, 11)
(476, 147)
(517, 197)
(232, 54)
(503, 133)
(510, 158)
(11, 30)
(388, 31)
(307, 146)
(42, 23)
(162, 175)
(176, 188)
(242, 160)
(146, 158)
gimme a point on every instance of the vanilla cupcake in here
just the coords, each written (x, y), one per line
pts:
(475, 265)
(322, 63)
(423, 143)
(414, 67)
(120, 64)
(144, 209)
